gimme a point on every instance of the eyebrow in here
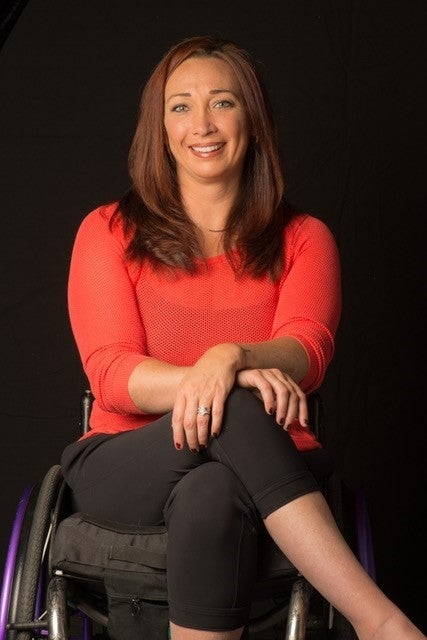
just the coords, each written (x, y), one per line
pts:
(211, 92)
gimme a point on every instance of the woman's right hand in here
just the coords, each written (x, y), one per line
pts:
(206, 384)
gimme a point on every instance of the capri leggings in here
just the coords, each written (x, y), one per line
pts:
(212, 502)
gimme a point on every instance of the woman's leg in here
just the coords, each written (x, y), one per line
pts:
(306, 532)
(213, 531)
(301, 523)
(127, 477)
(276, 478)
(130, 478)
(139, 477)
(180, 633)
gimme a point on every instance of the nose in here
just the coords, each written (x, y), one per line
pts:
(203, 123)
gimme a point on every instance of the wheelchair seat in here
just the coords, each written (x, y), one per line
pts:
(40, 598)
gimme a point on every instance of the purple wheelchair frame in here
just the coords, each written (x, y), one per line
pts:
(9, 569)
(9, 574)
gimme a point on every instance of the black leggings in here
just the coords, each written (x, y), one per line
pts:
(212, 502)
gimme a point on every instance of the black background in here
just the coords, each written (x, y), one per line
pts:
(347, 79)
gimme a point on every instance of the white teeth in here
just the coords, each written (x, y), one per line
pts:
(213, 147)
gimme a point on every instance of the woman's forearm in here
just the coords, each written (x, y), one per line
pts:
(284, 353)
(153, 384)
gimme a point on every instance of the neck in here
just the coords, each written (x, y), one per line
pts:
(209, 205)
(210, 216)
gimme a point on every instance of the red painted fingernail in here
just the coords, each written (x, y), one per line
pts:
(214, 435)
(178, 445)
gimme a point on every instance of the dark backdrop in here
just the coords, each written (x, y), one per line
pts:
(347, 80)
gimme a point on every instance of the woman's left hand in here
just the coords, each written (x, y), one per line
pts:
(280, 394)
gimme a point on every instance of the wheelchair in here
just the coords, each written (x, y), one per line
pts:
(39, 601)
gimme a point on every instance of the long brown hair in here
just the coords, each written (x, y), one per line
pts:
(152, 209)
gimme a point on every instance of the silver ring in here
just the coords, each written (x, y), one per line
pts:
(203, 411)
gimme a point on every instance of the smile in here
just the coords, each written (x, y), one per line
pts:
(207, 148)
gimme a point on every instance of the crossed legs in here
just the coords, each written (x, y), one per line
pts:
(213, 504)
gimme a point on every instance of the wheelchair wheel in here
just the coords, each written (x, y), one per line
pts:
(15, 560)
(30, 596)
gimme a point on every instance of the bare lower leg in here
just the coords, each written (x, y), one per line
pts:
(181, 633)
(306, 532)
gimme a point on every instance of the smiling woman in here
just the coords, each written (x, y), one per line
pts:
(207, 132)
(200, 348)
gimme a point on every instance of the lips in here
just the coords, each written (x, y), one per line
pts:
(207, 148)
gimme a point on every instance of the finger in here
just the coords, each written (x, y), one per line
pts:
(203, 420)
(283, 398)
(303, 416)
(217, 413)
(190, 425)
(296, 408)
(178, 433)
(276, 392)
(268, 396)
(287, 400)
(292, 409)
(263, 388)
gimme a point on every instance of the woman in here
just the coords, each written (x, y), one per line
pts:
(204, 310)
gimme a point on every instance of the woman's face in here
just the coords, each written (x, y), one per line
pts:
(205, 121)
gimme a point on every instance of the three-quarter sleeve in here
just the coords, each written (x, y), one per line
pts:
(103, 311)
(309, 304)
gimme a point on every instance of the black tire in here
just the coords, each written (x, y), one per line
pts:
(20, 557)
(31, 573)
(60, 510)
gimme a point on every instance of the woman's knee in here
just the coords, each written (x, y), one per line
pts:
(244, 414)
(209, 499)
(239, 398)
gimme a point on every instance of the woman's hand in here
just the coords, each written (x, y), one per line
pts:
(201, 394)
(280, 394)
(206, 385)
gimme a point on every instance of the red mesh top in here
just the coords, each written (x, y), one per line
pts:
(122, 312)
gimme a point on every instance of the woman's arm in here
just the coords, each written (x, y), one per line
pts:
(153, 384)
(299, 351)
(112, 343)
(103, 311)
(110, 336)
(285, 353)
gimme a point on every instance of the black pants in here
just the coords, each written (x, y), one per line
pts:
(212, 502)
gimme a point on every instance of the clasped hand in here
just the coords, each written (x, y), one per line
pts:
(207, 385)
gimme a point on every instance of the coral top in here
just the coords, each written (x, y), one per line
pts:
(124, 312)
